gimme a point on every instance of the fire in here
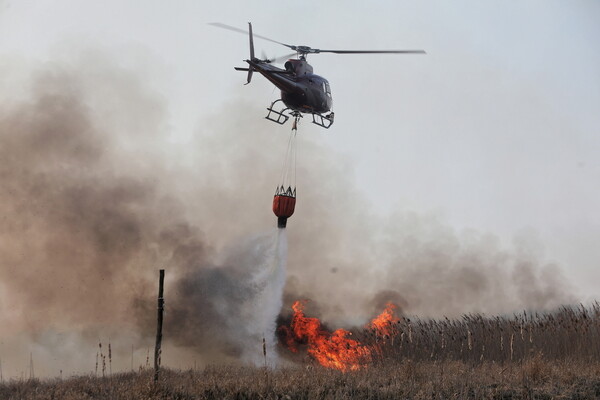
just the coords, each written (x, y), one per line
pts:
(334, 349)
(383, 324)
(331, 350)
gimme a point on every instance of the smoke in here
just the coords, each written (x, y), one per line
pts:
(228, 310)
(95, 200)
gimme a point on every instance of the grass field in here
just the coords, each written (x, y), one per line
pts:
(524, 356)
(534, 379)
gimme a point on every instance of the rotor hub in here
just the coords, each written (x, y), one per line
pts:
(304, 49)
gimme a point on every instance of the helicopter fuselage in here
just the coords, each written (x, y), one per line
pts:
(301, 89)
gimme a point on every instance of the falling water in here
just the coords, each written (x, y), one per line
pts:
(267, 280)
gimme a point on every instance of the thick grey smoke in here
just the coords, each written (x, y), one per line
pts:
(226, 311)
(90, 213)
(94, 201)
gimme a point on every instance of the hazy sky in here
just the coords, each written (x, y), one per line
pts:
(496, 129)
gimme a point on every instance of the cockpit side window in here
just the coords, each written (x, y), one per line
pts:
(327, 89)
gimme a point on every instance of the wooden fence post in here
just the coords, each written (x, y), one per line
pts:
(161, 306)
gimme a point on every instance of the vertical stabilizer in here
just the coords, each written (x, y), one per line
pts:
(250, 70)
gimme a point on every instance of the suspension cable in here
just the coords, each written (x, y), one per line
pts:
(288, 171)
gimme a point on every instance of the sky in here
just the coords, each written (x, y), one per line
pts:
(495, 130)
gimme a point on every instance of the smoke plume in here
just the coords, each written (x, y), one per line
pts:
(95, 200)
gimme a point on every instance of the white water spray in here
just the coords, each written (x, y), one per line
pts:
(260, 311)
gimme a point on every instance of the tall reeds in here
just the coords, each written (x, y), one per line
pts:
(567, 333)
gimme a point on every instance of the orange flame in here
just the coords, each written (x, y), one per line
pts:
(331, 350)
(334, 349)
(383, 324)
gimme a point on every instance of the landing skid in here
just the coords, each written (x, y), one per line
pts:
(278, 116)
(324, 121)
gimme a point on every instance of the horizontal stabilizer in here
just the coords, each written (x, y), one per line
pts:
(241, 69)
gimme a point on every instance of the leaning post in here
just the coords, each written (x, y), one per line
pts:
(161, 306)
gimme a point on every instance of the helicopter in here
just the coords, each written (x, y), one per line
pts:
(302, 91)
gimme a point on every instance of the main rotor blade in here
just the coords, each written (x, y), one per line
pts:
(371, 51)
(283, 58)
(232, 28)
(276, 60)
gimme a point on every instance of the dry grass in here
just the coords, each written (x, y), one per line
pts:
(537, 379)
(570, 333)
(526, 356)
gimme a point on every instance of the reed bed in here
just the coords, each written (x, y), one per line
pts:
(526, 355)
(569, 333)
(538, 379)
